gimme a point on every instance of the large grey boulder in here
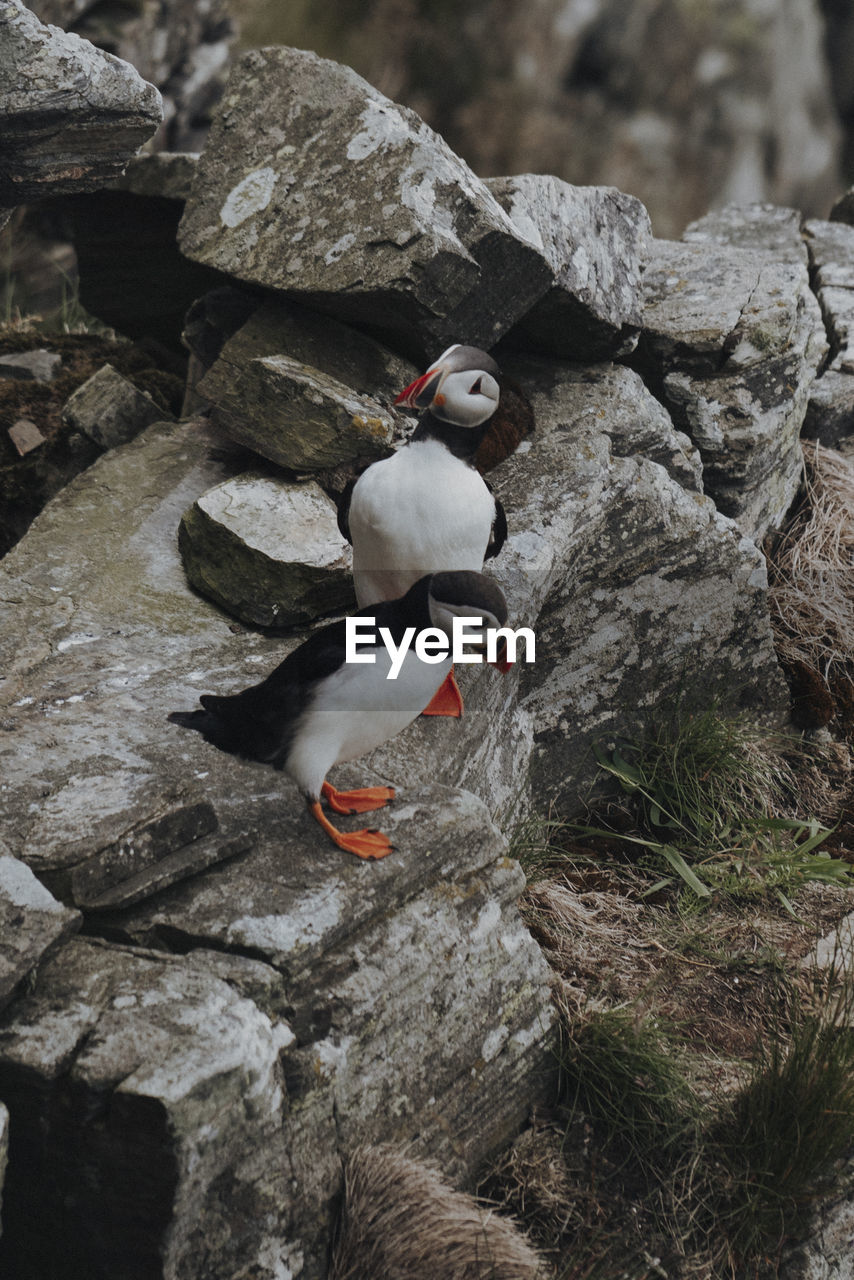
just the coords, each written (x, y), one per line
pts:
(268, 550)
(419, 1001)
(71, 116)
(769, 228)
(314, 183)
(32, 924)
(305, 391)
(732, 341)
(597, 242)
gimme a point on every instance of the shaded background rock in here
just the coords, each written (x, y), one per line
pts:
(72, 115)
(109, 409)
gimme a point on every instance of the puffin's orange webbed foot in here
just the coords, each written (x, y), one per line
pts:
(447, 700)
(366, 844)
(362, 800)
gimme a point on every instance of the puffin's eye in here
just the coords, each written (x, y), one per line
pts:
(474, 390)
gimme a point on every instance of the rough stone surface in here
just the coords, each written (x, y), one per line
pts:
(36, 366)
(109, 409)
(731, 343)
(306, 392)
(597, 241)
(171, 1089)
(830, 411)
(72, 115)
(314, 183)
(831, 250)
(162, 175)
(268, 551)
(32, 925)
(439, 1043)
(182, 46)
(770, 228)
(842, 210)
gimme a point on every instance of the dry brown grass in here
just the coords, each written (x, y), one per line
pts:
(811, 573)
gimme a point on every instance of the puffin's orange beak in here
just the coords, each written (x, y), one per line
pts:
(419, 394)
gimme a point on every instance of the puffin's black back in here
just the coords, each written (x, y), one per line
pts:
(259, 723)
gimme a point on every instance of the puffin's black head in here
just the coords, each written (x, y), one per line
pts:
(461, 387)
(465, 594)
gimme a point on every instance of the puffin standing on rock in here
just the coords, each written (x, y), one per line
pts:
(426, 508)
(317, 709)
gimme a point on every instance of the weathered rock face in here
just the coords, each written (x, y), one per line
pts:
(597, 242)
(304, 391)
(732, 341)
(268, 551)
(32, 925)
(72, 115)
(768, 228)
(396, 1037)
(314, 183)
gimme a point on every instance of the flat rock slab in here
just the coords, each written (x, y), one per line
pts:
(72, 115)
(731, 343)
(831, 250)
(305, 391)
(268, 551)
(109, 409)
(597, 242)
(770, 228)
(32, 924)
(314, 183)
(31, 366)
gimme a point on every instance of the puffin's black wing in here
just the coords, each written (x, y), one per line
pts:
(259, 722)
(498, 534)
(344, 509)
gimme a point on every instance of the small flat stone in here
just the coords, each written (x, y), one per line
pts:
(110, 410)
(267, 550)
(25, 436)
(39, 365)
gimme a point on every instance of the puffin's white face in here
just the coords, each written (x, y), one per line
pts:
(465, 397)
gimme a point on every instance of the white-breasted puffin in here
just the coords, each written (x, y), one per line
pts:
(427, 509)
(316, 709)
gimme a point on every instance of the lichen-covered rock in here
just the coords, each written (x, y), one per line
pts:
(419, 1001)
(831, 251)
(314, 183)
(109, 409)
(597, 242)
(32, 925)
(267, 550)
(171, 1099)
(770, 228)
(71, 115)
(731, 343)
(305, 391)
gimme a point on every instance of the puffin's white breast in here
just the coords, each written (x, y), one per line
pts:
(420, 511)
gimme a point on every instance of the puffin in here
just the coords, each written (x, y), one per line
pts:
(318, 709)
(427, 509)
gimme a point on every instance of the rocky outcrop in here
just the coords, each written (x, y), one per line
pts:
(109, 409)
(315, 184)
(32, 925)
(732, 340)
(72, 115)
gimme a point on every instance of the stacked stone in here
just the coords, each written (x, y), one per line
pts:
(248, 1005)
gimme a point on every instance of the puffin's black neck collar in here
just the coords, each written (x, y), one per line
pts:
(462, 442)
